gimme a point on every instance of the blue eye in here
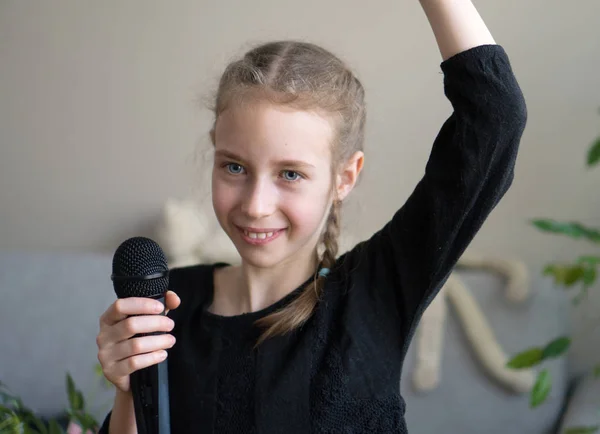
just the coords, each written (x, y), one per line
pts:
(290, 175)
(234, 168)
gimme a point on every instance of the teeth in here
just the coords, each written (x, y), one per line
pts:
(259, 235)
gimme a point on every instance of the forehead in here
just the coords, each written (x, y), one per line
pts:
(266, 130)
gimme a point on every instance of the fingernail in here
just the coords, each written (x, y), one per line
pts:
(158, 307)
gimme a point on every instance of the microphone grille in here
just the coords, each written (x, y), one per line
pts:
(135, 258)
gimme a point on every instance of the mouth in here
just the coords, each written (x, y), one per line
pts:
(257, 236)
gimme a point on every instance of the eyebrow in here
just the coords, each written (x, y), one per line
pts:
(294, 163)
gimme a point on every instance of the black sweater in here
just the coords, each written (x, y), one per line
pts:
(340, 372)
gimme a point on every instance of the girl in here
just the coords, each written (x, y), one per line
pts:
(294, 340)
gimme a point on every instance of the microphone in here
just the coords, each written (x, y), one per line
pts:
(139, 269)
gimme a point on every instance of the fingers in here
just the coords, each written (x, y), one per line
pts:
(134, 363)
(141, 345)
(134, 325)
(124, 307)
(119, 352)
(172, 301)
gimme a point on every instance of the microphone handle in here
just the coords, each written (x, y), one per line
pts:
(150, 391)
(164, 415)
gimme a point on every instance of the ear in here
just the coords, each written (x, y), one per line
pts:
(348, 175)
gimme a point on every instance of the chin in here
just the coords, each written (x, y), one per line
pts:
(259, 261)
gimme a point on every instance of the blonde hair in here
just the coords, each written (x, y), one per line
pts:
(308, 77)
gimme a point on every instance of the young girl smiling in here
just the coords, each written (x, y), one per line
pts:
(297, 338)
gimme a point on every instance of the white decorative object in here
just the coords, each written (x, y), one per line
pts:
(429, 338)
(430, 332)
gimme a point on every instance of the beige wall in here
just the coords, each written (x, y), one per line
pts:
(99, 122)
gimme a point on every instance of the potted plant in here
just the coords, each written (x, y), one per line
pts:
(17, 418)
(580, 274)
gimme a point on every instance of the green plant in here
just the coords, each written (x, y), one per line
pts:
(17, 418)
(580, 274)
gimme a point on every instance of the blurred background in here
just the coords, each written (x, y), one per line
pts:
(103, 120)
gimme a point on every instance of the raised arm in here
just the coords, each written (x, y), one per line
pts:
(457, 25)
(470, 168)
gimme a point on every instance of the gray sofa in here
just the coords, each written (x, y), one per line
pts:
(51, 303)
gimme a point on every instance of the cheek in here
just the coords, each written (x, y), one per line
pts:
(223, 199)
(306, 213)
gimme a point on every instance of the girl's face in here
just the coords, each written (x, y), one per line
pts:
(271, 180)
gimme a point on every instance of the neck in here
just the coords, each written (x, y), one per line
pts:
(261, 287)
(247, 288)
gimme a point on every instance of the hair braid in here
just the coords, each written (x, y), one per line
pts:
(300, 310)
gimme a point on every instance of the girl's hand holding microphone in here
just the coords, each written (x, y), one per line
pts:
(118, 353)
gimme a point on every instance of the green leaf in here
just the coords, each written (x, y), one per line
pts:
(581, 296)
(541, 388)
(80, 401)
(76, 400)
(567, 275)
(24, 417)
(55, 428)
(29, 430)
(591, 260)
(556, 347)
(10, 423)
(526, 359)
(100, 374)
(71, 391)
(574, 275)
(32, 419)
(11, 426)
(589, 276)
(594, 153)
(571, 229)
(12, 403)
(597, 371)
(583, 430)
(9, 399)
(86, 421)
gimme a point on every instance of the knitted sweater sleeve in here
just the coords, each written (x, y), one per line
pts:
(470, 168)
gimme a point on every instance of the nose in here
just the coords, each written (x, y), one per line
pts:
(260, 199)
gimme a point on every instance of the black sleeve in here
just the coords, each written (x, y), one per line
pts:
(105, 424)
(470, 168)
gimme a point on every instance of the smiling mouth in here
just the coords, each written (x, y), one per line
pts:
(259, 236)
